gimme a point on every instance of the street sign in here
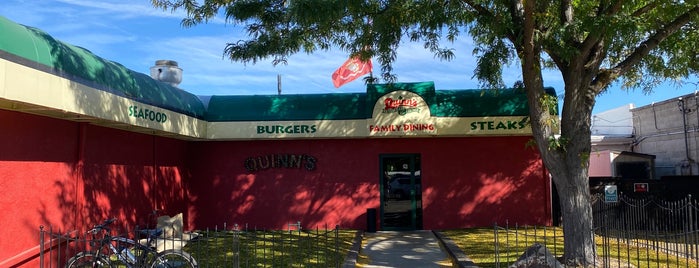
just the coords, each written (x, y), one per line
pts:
(640, 187)
(610, 194)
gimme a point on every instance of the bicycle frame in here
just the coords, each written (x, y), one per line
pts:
(129, 260)
(108, 242)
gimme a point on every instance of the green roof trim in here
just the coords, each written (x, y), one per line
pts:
(342, 106)
(34, 48)
(346, 106)
(479, 103)
(424, 89)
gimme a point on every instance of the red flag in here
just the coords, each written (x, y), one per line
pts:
(352, 69)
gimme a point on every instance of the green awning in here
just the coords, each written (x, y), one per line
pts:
(36, 49)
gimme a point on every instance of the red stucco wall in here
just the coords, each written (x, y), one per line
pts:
(466, 182)
(37, 183)
(67, 175)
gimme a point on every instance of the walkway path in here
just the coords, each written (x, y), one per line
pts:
(386, 249)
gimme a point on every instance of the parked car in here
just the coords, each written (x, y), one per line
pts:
(399, 187)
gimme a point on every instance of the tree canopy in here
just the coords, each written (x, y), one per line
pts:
(375, 29)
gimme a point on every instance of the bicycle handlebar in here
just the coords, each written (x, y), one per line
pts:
(102, 226)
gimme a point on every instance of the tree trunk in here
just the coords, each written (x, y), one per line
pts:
(567, 161)
(566, 156)
(574, 195)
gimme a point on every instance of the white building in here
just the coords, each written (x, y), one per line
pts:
(613, 129)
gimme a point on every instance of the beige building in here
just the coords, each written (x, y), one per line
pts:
(665, 129)
(668, 130)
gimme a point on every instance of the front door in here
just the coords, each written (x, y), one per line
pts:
(401, 192)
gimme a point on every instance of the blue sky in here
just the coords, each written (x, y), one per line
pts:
(135, 34)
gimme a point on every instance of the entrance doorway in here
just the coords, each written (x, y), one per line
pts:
(401, 192)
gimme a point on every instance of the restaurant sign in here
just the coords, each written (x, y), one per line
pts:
(147, 114)
(286, 129)
(400, 113)
(274, 161)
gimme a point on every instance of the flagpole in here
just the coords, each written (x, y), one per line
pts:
(279, 84)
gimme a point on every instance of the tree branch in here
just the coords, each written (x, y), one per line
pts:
(643, 49)
(483, 11)
(592, 41)
(613, 8)
(566, 12)
(566, 17)
(645, 9)
(517, 12)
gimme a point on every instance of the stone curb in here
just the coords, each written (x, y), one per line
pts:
(353, 254)
(457, 256)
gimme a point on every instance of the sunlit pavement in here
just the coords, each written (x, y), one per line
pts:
(402, 249)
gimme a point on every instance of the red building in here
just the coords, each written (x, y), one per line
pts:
(84, 139)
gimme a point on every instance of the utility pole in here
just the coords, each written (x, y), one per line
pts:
(689, 161)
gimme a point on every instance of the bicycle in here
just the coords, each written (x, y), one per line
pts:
(118, 251)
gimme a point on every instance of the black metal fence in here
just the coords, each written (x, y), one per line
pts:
(226, 246)
(632, 232)
(294, 247)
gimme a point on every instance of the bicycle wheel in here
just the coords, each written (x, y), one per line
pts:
(174, 259)
(87, 259)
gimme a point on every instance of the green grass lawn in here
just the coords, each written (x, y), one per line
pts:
(479, 246)
(271, 248)
(317, 248)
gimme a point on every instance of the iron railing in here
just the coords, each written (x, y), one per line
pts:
(632, 232)
(226, 246)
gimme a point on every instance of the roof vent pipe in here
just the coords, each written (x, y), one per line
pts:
(166, 71)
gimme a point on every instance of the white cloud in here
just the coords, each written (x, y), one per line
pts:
(122, 9)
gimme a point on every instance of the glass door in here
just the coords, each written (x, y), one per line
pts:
(401, 192)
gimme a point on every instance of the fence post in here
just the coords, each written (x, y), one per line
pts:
(497, 253)
(337, 246)
(516, 234)
(41, 246)
(688, 229)
(555, 243)
(693, 210)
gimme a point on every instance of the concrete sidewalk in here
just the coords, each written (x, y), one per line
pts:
(386, 249)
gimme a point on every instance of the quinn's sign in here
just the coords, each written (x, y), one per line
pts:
(401, 106)
(401, 113)
(294, 161)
